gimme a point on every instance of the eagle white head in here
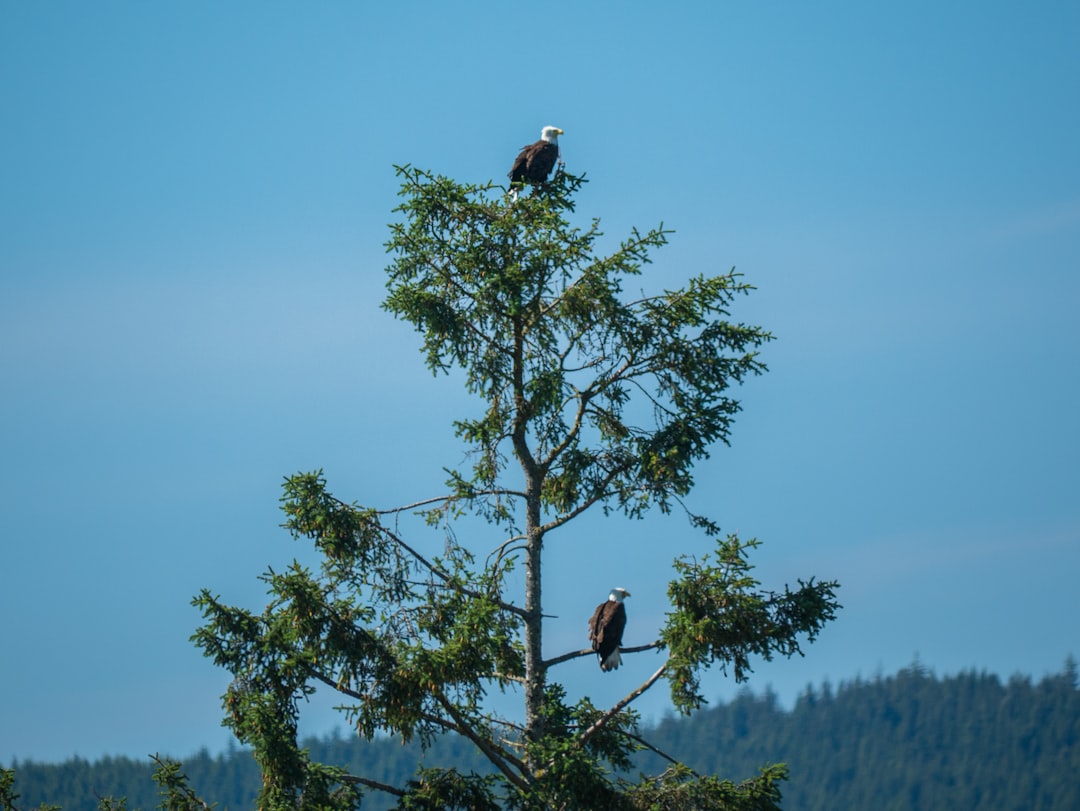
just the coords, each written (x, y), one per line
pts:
(618, 595)
(550, 135)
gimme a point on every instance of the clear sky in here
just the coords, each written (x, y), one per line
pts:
(193, 207)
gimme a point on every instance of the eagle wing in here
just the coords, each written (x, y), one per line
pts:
(534, 163)
(517, 171)
(596, 630)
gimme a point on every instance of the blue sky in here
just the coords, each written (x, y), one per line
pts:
(193, 207)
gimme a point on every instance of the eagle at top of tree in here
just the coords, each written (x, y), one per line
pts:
(534, 163)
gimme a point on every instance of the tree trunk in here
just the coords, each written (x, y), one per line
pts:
(534, 539)
(534, 671)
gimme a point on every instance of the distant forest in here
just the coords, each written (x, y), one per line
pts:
(908, 741)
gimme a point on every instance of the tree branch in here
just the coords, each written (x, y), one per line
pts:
(436, 499)
(566, 657)
(500, 550)
(375, 784)
(499, 758)
(603, 720)
(459, 724)
(655, 750)
(442, 574)
(600, 492)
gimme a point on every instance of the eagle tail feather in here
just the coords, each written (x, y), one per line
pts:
(612, 662)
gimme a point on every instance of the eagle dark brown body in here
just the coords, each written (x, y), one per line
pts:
(535, 161)
(606, 629)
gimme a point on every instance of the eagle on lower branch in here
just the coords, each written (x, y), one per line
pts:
(606, 629)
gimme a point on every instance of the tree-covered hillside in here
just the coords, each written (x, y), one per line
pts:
(908, 741)
(911, 741)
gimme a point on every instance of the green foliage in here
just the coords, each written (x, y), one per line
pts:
(8, 795)
(399, 647)
(447, 790)
(904, 742)
(720, 617)
(516, 296)
(679, 789)
(590, 396)
(174, 791)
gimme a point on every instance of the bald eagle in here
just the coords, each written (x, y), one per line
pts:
(536, 161)
(606, 627)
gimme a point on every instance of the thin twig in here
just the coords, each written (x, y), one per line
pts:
(435, 499)
(441, 573)
(645, 744)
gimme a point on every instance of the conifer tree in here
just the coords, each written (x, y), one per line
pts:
(588, 397)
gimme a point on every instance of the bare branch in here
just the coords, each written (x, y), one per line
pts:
(603, 720)
(655, 750)
(507, 677)
(369, 783)
(501, 550)
(566, 657)
(500, 758)
(450, 497)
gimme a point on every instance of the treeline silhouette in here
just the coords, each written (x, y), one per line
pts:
(908, 741)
